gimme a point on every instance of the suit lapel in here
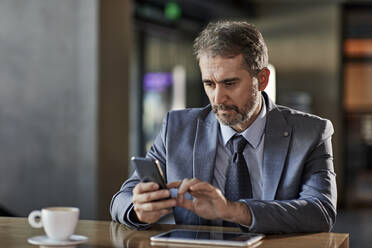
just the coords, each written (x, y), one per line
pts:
(277, 139)
(205, 147)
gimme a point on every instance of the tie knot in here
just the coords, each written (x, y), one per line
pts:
(239, 143)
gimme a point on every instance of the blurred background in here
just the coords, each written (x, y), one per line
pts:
(84, 85)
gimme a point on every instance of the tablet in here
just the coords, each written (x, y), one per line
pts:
(205, 237)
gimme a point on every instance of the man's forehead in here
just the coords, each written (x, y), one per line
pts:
(219, 63)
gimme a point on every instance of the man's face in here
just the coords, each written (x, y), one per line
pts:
(233, 93)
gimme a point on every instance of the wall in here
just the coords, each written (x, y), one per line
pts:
(54, 129)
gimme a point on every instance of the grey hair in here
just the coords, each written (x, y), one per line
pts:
(231, 38)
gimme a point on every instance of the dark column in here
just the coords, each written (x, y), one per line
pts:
(113, 89)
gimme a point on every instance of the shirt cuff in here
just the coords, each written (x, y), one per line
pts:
(132, 223)
(252, 227)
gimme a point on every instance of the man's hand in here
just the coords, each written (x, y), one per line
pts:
(209, 202)
(146, 202)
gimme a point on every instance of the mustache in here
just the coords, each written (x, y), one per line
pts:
(217, 107)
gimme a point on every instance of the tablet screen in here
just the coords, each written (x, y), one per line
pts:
(208, 237)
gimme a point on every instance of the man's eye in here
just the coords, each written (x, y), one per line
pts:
(208, 84)
(229, 84)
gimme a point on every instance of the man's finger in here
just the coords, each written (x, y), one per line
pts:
(186, 184)
(151, 196)
(145, 187)
(186, 204)
(160, 205)
(203, 186)
(152, 217)
(201, 194)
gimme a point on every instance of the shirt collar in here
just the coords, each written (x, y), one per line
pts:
(252, 134)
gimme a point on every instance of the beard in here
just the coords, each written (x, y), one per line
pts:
(237, 115)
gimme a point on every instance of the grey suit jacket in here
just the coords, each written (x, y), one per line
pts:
(299, 187)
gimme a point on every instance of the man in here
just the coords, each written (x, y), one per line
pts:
(242, 160)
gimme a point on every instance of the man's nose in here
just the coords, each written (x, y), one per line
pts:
(220, 95)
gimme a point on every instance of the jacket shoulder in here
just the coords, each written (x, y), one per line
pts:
(188, 115)
(309, 123)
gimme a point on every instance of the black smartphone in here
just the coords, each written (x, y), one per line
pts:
(149, 170)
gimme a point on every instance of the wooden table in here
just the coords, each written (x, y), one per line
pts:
(14, 232)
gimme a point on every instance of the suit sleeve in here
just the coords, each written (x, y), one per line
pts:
(121, 206)
(315, 208)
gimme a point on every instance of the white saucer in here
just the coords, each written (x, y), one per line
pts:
(44, 240)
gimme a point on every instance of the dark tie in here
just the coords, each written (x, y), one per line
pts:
(238, 183)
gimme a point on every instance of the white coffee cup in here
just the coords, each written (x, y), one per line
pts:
(59, 222)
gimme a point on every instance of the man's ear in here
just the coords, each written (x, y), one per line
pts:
(263, 78)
